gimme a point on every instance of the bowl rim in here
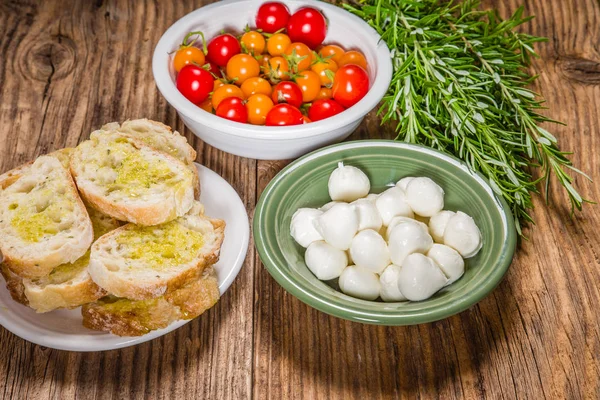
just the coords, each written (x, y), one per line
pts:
(167, 88)
(310, 296)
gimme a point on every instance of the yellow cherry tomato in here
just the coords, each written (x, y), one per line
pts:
(258, 107)
(206, 105)
(225, 92)
(278, 44)
(353, 57)
(186, 56)
(256, 85)
(241, 67)
(321, 68)
(310, 85)
(332, 51)
(278, 70)
(300, 56)
(324, 93)
(217, 84)
(254, 42)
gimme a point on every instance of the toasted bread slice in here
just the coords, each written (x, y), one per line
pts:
(69, 285)
(10, 177)
(141, 263)
(160, 137)
(43, 222)
(125, 317)
(130, 181)
(14, 284)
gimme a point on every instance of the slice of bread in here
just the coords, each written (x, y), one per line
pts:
(141, 263)
(69, 285)
(130, 181)
(10, 177)
(160, 137)
(43, 222)
(14, 284)
(125, 317)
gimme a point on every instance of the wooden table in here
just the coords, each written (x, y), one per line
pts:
(67, 67)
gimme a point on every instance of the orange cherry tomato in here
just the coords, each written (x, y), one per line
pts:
(324, 94)
(225, 92)
(206, 105)
(254, 42)
(321, 68)
(332, 51)
(256, 85)
(217, 84)
(258, 107)
(241, 67)
(278, 44)
(186, 56)
(353, 57)
(279, 69)
(310, 85)
(300, 56)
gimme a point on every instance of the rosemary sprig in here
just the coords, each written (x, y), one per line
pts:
(460, 84)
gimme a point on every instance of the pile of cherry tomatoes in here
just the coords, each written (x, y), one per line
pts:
(277, 74)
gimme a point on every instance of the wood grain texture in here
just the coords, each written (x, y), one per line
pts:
(67, 67)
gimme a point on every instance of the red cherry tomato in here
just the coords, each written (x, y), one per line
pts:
(233, 109)
(287, 92)
(308, 26)
(222, 48)
(194, 83)
(272, 16)
(350, 84)
(324, 108)
(215, 70)
(284, 115)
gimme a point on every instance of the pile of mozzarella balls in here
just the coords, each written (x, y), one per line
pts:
(398, 245)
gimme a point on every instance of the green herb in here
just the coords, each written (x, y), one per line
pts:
(460, 85)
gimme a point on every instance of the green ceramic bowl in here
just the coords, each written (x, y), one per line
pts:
(303, 183)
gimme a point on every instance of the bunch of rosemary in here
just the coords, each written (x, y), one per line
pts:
(460, 85)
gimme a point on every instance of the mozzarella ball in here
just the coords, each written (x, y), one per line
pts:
(449, 261)
(302, 227)
(327, 206)
(369, 250)
(462, 234)
(325, 261)
(338, 225)
(396, 220)
(392, 203)
(347, 183)
(389, 284)
(420, 278)
(403, 183)
(407, 238)
(424, 196)
(368, 216)
(372, 196)
(359, 282)
(437, 225)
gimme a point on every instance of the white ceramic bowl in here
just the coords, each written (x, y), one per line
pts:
(264, 142)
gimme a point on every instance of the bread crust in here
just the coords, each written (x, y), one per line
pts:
(14, 284)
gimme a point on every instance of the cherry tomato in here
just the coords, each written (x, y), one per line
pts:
(284, 115)
(278, 70)
(214, 69)
(278, 44)
(299, 56)
(332, 51)
(263, 60)
(350, 84)
(305, 119)
(307, 25)
(217, 84)
(258, 106)
(194, 83)
(321, 67)
(206, 105)
(324, 93)
(241, 67)
(353, 57)
(310, 85)
(188, 55)
(321, 109)
(222, 48)
(225, 92)
(287, 92)
(256, 85)
(254, 42)
(272, 16)
(233, 109)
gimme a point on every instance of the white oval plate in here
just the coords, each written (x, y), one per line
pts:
(63, 330)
